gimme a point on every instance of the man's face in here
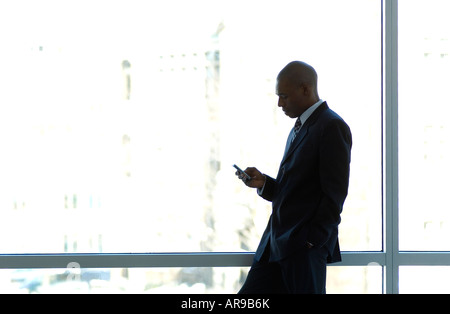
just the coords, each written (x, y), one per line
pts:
(291, 98)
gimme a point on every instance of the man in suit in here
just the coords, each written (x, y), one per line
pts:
(307, 195)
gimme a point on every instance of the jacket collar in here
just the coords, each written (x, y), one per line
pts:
(304, 130)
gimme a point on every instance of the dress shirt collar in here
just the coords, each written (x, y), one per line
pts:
(305, 115)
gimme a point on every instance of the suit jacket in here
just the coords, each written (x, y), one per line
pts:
(309, 191)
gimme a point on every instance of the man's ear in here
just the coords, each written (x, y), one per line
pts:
(305, 89)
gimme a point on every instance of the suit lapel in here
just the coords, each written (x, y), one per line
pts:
(298, 139)
(304, 131)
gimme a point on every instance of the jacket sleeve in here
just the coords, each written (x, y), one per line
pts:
(334, 172)
(267, 191)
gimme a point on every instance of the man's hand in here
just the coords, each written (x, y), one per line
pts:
(257, 178)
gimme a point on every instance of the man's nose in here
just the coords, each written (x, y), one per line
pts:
(280, 102)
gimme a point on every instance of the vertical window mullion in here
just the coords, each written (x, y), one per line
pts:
(391, 145)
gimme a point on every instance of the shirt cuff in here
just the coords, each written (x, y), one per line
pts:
(261, 190)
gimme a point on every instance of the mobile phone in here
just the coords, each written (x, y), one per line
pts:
(246, 176)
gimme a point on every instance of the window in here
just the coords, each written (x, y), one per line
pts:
(424, 279)
(424, 132)
(130, 124)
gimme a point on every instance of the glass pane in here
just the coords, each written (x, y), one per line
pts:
(355, 279)
(424, 279)
(424, 129)
(119, 133)
(198, 280)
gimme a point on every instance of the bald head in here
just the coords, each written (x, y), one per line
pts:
(299, 74)
(297, 88)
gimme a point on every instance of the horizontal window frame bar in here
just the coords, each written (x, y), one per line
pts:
(126, 260)
(403, 258)
(203, 259)
(362, 259)
(422, 258)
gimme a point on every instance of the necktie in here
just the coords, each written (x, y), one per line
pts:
(297, 126)
(292, 135)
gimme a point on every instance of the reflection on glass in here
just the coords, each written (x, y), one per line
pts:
(197, 280)
(119, 133)
(424, 129)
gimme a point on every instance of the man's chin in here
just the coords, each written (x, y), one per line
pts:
(289, 115)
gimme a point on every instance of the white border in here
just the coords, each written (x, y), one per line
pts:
(390, 258)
